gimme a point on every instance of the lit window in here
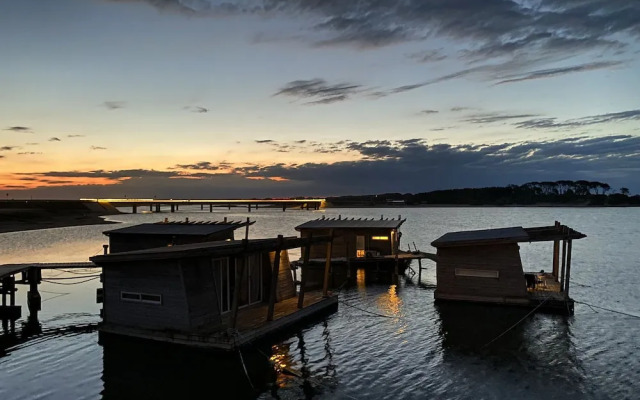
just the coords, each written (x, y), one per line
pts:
(360, 253)
(141, 297)
(379, 237)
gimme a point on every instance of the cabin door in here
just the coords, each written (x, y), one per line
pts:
(360, 247)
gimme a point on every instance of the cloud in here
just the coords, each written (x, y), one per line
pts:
(197, 109)
(97, 148)
(18, 129)
(428, 112)
(7, 148)
(116, 174)
(489, 118)
(553, 72)
(318, 90)
(203, 165)
(553, 123)
(264, 141)
(114, 105)
(428, 56)
(29, 153)
(75, 136)
(54, 139)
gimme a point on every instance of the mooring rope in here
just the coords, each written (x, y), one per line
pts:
(72, 283)
(516, 324)
(367, 311)
(607, 309)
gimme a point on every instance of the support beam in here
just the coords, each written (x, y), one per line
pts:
(134, 209)
(564, 260)
(568, 277)
(173, 208)
(327, 266)
(210, 207)
(304, 272)
(556, 257)
(275, 271)
(157, 207)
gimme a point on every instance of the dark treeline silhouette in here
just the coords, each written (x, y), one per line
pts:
(532, 193)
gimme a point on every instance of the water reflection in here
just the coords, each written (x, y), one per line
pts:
(137, 369)
(510, 344)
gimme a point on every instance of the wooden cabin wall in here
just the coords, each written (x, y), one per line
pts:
(201, 292)
(286, 288)
(504, 258)
(156, 277)
(345, 239)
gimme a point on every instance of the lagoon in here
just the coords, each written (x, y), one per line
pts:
(384, 342)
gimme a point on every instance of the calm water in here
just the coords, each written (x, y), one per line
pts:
(384, 342)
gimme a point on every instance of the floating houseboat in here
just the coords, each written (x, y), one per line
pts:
(485, 266)
(218, 294)
(369, 243)
(170, 233)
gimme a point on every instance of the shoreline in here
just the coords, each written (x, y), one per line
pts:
(30, 215)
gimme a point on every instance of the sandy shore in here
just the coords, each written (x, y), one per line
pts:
(24, 215)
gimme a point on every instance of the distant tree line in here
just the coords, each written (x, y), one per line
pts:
(563, 192)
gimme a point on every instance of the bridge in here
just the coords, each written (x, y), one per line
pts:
(174, 204)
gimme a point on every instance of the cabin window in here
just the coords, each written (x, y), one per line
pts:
(379, 237)
(477, 273)
(360, 250)
(141, 297)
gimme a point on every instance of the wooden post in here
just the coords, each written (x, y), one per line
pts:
(419, 270)
(284, 206)
(274, 278)
(564, 260)
(134, 209)
(236, 290)
(150, 206)
(249, 206)
(566, 283)
(173, 208)
(157, 207)
(34, 301)
(246, 231)
(304, 272)
(210, 207)
(327, 266)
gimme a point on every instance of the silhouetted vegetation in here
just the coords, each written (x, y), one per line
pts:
(565, 192)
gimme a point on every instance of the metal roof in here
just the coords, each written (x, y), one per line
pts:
(507, 235)
(179, 228)
(210, 249)
(351, 223)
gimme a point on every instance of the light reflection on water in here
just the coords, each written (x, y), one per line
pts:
(423, 351)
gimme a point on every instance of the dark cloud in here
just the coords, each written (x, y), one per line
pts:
(428, 56)
(202, 165)
(54, 139)
(7, 148)
(29, 153)
(495, 117)
(264, 141)
(74, 136)
(553, 123)
(114, 105)
(118, 174)
(405, 166)
(197, 109)
(428, 112)
(97, 148)
(547, 73)
(458, 109)
(18, 129)
(318, 91)
(494, 27)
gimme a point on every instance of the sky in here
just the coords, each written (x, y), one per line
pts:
(280, 98)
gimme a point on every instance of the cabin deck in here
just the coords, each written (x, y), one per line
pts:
(251, 324)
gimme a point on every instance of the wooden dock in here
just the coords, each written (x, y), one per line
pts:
(252, 324)
(155, 205)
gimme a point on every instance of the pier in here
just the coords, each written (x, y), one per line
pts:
(155, 205)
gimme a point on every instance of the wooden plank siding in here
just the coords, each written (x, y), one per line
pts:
(201, 292)
(505, 259)
(151, 278)
(286, 288)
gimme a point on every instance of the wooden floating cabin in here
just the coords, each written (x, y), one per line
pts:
(485, 266)
(369, 243)
(170, 233)
(218, 295)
